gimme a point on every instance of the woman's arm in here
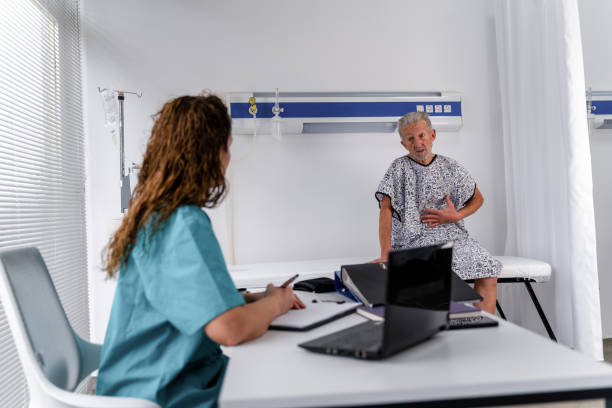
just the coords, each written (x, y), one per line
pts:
(253, 297)
(249, 321)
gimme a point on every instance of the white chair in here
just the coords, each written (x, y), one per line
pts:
(527, 271)
(54, 358)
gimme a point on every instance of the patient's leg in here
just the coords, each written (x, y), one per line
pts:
(487, 288)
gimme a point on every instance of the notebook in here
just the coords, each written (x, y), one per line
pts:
(461, 310)
(315, 314)
(417, 306)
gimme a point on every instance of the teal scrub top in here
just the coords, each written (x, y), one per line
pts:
(170, 287)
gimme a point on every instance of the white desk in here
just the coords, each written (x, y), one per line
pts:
(472, 367)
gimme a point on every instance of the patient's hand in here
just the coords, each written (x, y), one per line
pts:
(433, 217)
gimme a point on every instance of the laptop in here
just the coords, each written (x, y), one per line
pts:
(417, 305)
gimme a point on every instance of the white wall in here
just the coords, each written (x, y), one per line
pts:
(597, 49)
(306, 197)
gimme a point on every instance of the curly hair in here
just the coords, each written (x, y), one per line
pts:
(182, 165)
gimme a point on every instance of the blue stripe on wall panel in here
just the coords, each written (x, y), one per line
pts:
(240, 110)
(602, 107)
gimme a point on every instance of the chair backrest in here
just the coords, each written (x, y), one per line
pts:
(48, 331)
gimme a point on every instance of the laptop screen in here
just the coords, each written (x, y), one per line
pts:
(418, 295)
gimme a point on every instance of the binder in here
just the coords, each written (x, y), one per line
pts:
(367, 282)
(342, 289)
(371, 282)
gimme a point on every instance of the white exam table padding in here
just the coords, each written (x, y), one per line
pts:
(525, 270)
(515, 267)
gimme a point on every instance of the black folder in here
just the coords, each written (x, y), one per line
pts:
(462, 292)
(368, 282)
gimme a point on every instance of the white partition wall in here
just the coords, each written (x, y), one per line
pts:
(306, 196)
(597, 50)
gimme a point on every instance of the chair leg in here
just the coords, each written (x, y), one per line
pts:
(499, 309)
(534, 299)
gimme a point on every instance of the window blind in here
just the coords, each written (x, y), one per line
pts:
(42, 180)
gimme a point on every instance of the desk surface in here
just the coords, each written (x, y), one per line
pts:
(501, 364)
(505, 364)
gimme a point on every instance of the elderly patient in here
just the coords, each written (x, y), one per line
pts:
(423, 200)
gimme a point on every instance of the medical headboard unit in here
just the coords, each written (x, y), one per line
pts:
(599, 109)
(339, 112)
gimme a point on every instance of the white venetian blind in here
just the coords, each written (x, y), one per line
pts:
(42, 181)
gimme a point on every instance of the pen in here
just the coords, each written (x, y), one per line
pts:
(288, 281)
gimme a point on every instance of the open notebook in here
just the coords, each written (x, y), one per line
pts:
(314, 315)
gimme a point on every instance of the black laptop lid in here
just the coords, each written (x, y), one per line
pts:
(418, 295)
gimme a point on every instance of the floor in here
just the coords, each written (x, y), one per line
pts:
(607, 349)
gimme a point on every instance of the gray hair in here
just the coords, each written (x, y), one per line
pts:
(413, 117)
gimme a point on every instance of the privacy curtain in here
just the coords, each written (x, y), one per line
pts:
(548, 167)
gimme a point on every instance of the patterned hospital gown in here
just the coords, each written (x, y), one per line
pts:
(412, 187)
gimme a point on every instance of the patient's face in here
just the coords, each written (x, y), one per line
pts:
(418, 139)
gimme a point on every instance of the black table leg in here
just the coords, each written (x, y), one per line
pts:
(540, 311)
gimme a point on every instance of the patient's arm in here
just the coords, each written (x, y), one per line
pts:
(384, 229)
(433, 217)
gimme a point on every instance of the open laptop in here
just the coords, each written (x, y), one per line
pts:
(417, 304)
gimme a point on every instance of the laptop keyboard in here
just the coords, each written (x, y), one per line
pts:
(365, 336)
(467, 322)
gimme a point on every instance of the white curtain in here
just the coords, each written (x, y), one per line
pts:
(549, 186)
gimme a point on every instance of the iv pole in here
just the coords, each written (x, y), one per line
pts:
(124, 178)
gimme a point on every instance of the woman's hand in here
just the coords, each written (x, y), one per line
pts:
(448, 215)
(297, 303)
(284, 297)
(249, 321)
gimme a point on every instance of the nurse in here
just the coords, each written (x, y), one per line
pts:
(175, 302)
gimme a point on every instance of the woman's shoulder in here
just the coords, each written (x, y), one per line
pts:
(188, 219)
(184, 217)
(190, 216)
(191, 211)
